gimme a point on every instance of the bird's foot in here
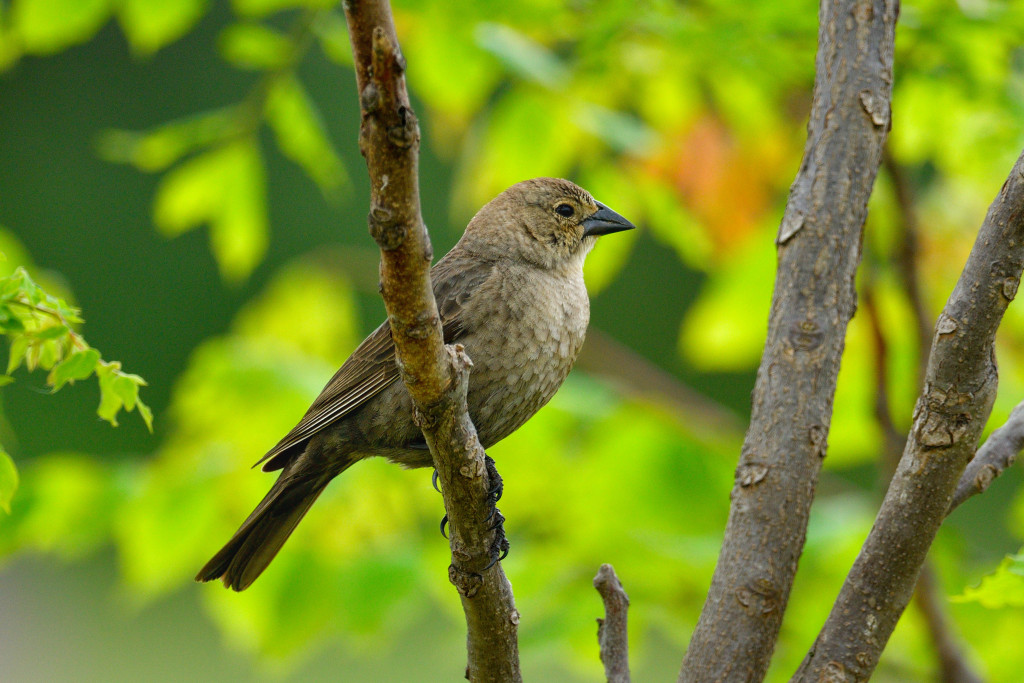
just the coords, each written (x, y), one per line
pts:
(433, 481)
(497, 485)
(499, 548)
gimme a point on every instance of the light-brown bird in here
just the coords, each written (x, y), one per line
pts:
(511, 292)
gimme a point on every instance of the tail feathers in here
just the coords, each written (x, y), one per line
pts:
(261, 536)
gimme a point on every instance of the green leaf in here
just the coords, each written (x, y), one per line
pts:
(8, 480)
(52, 332)
(522, 55)
(48, 26)
(79, 365)
(158, 148)
(302, 136)
(260, 8)
(5, 380)
(19, 347)
(226, 188)
(152, 24)
(332, 31)
(254, 46)
(120, 390)
(1002, 588)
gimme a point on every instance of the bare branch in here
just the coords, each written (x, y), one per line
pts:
(997, 454)
(960, 386)
(818, 252)
(611, 631)
(953, 666)
(435, 375)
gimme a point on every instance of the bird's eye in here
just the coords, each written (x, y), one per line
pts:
(564, 210)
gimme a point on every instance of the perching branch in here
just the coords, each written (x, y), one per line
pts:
(992, 459)
(436, 375)
(814, 298)
(960, 386)
(612, 636)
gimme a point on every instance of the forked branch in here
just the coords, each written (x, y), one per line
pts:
(960, 386)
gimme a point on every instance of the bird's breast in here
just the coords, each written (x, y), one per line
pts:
(524, 347)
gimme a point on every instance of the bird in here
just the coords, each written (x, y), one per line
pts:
(511, 292)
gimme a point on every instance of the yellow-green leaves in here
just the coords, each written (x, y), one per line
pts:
(48, 26)
(224, 187)
(38, 326)
(8, 480)
(1002, 588)
(151, 24)
(302, 136)
(255, 46)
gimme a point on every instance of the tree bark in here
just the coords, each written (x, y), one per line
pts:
(819, 246)
(612, 635)
(960, 386)
(436, 375)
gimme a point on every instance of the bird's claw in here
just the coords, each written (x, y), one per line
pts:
(497, 485)
(444, 523)
(433, 481)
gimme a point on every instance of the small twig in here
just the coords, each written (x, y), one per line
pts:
(907, 258)
(605, 357)
(76, 339)
(997, 454)
(611, 631)
(953, 665)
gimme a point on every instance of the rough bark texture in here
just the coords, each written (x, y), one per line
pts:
(612, 634)
(992, 459)
(818, 252)
(436, 375)
(960, 386)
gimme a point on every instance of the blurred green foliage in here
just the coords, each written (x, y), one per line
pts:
(686, 117)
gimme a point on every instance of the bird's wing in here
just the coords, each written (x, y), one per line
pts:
(372, 367)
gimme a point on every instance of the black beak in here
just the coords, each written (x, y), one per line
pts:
(604, 221)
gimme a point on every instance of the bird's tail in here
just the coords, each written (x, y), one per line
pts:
(259, 538)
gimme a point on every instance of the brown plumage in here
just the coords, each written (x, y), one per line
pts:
(511, 292)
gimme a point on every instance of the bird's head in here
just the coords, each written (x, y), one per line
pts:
(545, 221)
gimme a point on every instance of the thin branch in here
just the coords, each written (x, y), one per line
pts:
(635, 375)
(955, 403)
(992, 459)
(818, 252)
(436, 375)
(907, 259)
(612, 634)
(953, 664)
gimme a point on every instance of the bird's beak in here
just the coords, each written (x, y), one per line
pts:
(604, 221)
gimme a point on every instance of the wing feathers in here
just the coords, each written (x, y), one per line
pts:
(371, 367)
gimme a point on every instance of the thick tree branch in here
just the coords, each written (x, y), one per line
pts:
(960, 386)
(611, 631)
(435, 375)
(992, 459)
(818, 252)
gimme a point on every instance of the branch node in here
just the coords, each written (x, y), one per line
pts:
(1010, 285)
(751, 473)
(387, 232)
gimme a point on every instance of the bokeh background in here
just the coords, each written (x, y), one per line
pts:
(186, 172)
